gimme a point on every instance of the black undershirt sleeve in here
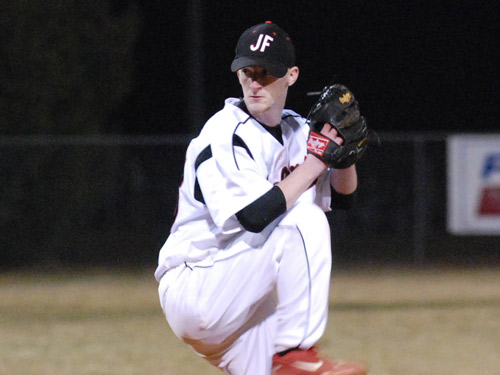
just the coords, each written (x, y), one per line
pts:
(258, 214)
(342, 201)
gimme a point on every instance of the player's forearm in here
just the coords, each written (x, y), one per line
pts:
(301, 179)
(344, 181)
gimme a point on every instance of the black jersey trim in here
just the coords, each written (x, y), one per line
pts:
(202, 157)
(238, 142)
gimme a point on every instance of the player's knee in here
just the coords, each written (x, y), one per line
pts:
(186, 317)
(196, 320)
(189, 325)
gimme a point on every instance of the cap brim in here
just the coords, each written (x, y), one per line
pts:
(276, 69)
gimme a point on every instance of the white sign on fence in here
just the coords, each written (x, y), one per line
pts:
(474, 184)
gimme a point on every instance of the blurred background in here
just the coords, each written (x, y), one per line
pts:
(99, 98)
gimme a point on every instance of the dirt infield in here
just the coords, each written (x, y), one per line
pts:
(401, 322)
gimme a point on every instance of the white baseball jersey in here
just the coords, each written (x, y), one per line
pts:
(219, 292)
(232, 162)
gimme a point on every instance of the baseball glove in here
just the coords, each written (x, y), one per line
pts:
(338, 107)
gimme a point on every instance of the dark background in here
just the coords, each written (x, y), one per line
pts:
(98, 100)
(414, 66)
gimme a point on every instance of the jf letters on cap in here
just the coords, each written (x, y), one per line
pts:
(265, 45)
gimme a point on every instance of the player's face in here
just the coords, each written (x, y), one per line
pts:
(265, 94)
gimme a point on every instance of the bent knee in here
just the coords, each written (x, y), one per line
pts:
(188, 320)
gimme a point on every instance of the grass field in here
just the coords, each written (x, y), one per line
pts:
(405, 322)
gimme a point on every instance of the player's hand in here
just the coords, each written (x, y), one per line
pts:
(332, 133)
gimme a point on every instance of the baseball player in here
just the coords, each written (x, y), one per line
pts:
(244, 274)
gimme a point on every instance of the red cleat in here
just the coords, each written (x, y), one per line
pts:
(308, 362)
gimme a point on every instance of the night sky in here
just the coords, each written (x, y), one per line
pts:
(413, 66)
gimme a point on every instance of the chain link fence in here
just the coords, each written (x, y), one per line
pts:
(110, 201)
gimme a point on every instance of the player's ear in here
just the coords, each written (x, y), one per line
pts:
(293, 75)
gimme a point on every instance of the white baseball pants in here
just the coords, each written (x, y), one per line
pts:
(240, 311)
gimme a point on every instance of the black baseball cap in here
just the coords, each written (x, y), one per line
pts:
(265, 45)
